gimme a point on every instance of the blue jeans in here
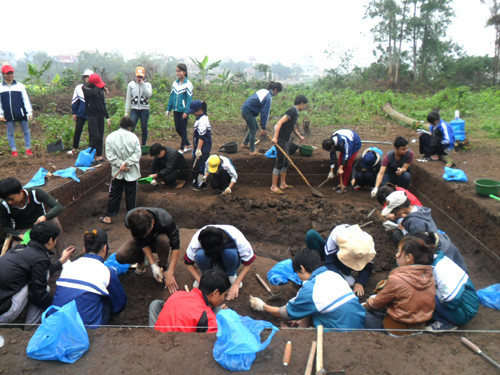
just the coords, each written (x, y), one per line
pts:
(252, 130)
(26, 131)
(403, 180)
(230, 261)
(143, 115)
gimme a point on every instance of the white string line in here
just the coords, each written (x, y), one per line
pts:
(456, 223)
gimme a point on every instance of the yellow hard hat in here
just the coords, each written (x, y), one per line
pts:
(213, 163)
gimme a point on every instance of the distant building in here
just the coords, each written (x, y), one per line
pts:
(66, 59)
(7, 58)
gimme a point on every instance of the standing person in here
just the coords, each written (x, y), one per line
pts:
(24, 275)
(324, 298)
(94, 287)
(282, 132)
(223, 173)
(202, 141)
(168, 166)
(366, 168)
(137, 102)
(21, 209)
(93, 92)
(347, 143)
(123, 151)
(15, 106)
(223, 246)
(79, 110)
(154, 231)
(260, 102)
(439, 144)
(180, 102)
(395, 166)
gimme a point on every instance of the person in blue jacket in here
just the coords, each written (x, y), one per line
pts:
(347, 143)
(439, 144)
(260, 102)
(95, 288)
(79, 110)
(324, 299)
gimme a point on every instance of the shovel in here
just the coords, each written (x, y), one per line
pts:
(313, 190)
(266, 287)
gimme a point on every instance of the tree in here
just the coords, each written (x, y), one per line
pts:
(494, 20)
(264, 69)
(204, 68)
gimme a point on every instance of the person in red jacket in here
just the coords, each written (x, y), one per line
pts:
(386, 190)
(191, 311)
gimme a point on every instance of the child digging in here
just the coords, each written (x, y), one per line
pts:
(282, 133)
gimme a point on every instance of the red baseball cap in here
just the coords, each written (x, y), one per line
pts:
(7, 69)
(96, 80)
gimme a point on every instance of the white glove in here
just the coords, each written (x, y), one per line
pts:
(154, 182)
(227, 191)
(127, 114)
(374, 192)
(390, 225)
(330, 175)
(197, 153)
(30, 117)
(167, 113)
(157, 274)
(204, 178)
(256, 303)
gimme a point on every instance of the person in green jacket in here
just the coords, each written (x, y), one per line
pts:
(20, 209)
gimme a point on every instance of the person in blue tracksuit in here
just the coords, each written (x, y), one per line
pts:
(260, 102)
(324, 299)
(15, 106)
(180, 101)
(347, 143)
(79, 110)
(439, 144)
(95, 288)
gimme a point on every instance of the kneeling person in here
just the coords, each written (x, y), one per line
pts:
(324, 299)
(223, 173)
(94, 287)
(191, 311)
(169, 166)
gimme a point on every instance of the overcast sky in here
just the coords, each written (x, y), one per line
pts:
(269, 30)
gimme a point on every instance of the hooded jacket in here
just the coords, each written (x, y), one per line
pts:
(419, 220)
(138, 95)
(408, 294)
(15, 104)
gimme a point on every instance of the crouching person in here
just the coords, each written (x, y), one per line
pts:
(324, 299)
(192, 311)
(168, 167)
(94, 287)
(24, 272)
(407, 299)
(223, 173)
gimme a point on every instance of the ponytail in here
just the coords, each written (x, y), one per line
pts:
(274, 86)
(92, 243)
(422, 252)
(204, 107)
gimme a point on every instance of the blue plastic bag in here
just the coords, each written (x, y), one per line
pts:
(452, 174)
(490, 296)
(85, 157)
(67, 173)
(238, 339)
(377, 150)
(60, 337)
(111, 262)
(282, 272)
(38, 179)
(271, 153)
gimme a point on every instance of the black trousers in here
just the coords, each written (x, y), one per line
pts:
(431, 146)
(78, 131)
(220, 180)
(115, 196)
(366, 178)
(96, 133)
(176, 174)
(181, 128)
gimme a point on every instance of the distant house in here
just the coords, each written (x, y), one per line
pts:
(7, 58)
(66, 59)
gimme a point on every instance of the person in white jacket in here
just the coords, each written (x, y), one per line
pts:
(137, 102)
(123, 152)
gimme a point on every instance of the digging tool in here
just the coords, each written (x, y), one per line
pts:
(287, 355)
(365, 224)
(266, 287)
(476, 350)
(310, 359)
(6, 244)
(494, 197)
(313, 190)
(320, 370)
(324, 182)
(378, 142)
(186, 288)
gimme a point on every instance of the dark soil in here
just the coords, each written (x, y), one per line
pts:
(276, 226)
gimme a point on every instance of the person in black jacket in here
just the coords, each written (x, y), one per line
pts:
(93, 92)
(154, 231)
(23, 274)
(168, 166)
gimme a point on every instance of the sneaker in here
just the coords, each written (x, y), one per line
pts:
(15, 153)
(196, 284)
(200, 187)
(28, 152)
(439, 327)
(232, 279)
(187, 149)
(357, 188)
(180, 151)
